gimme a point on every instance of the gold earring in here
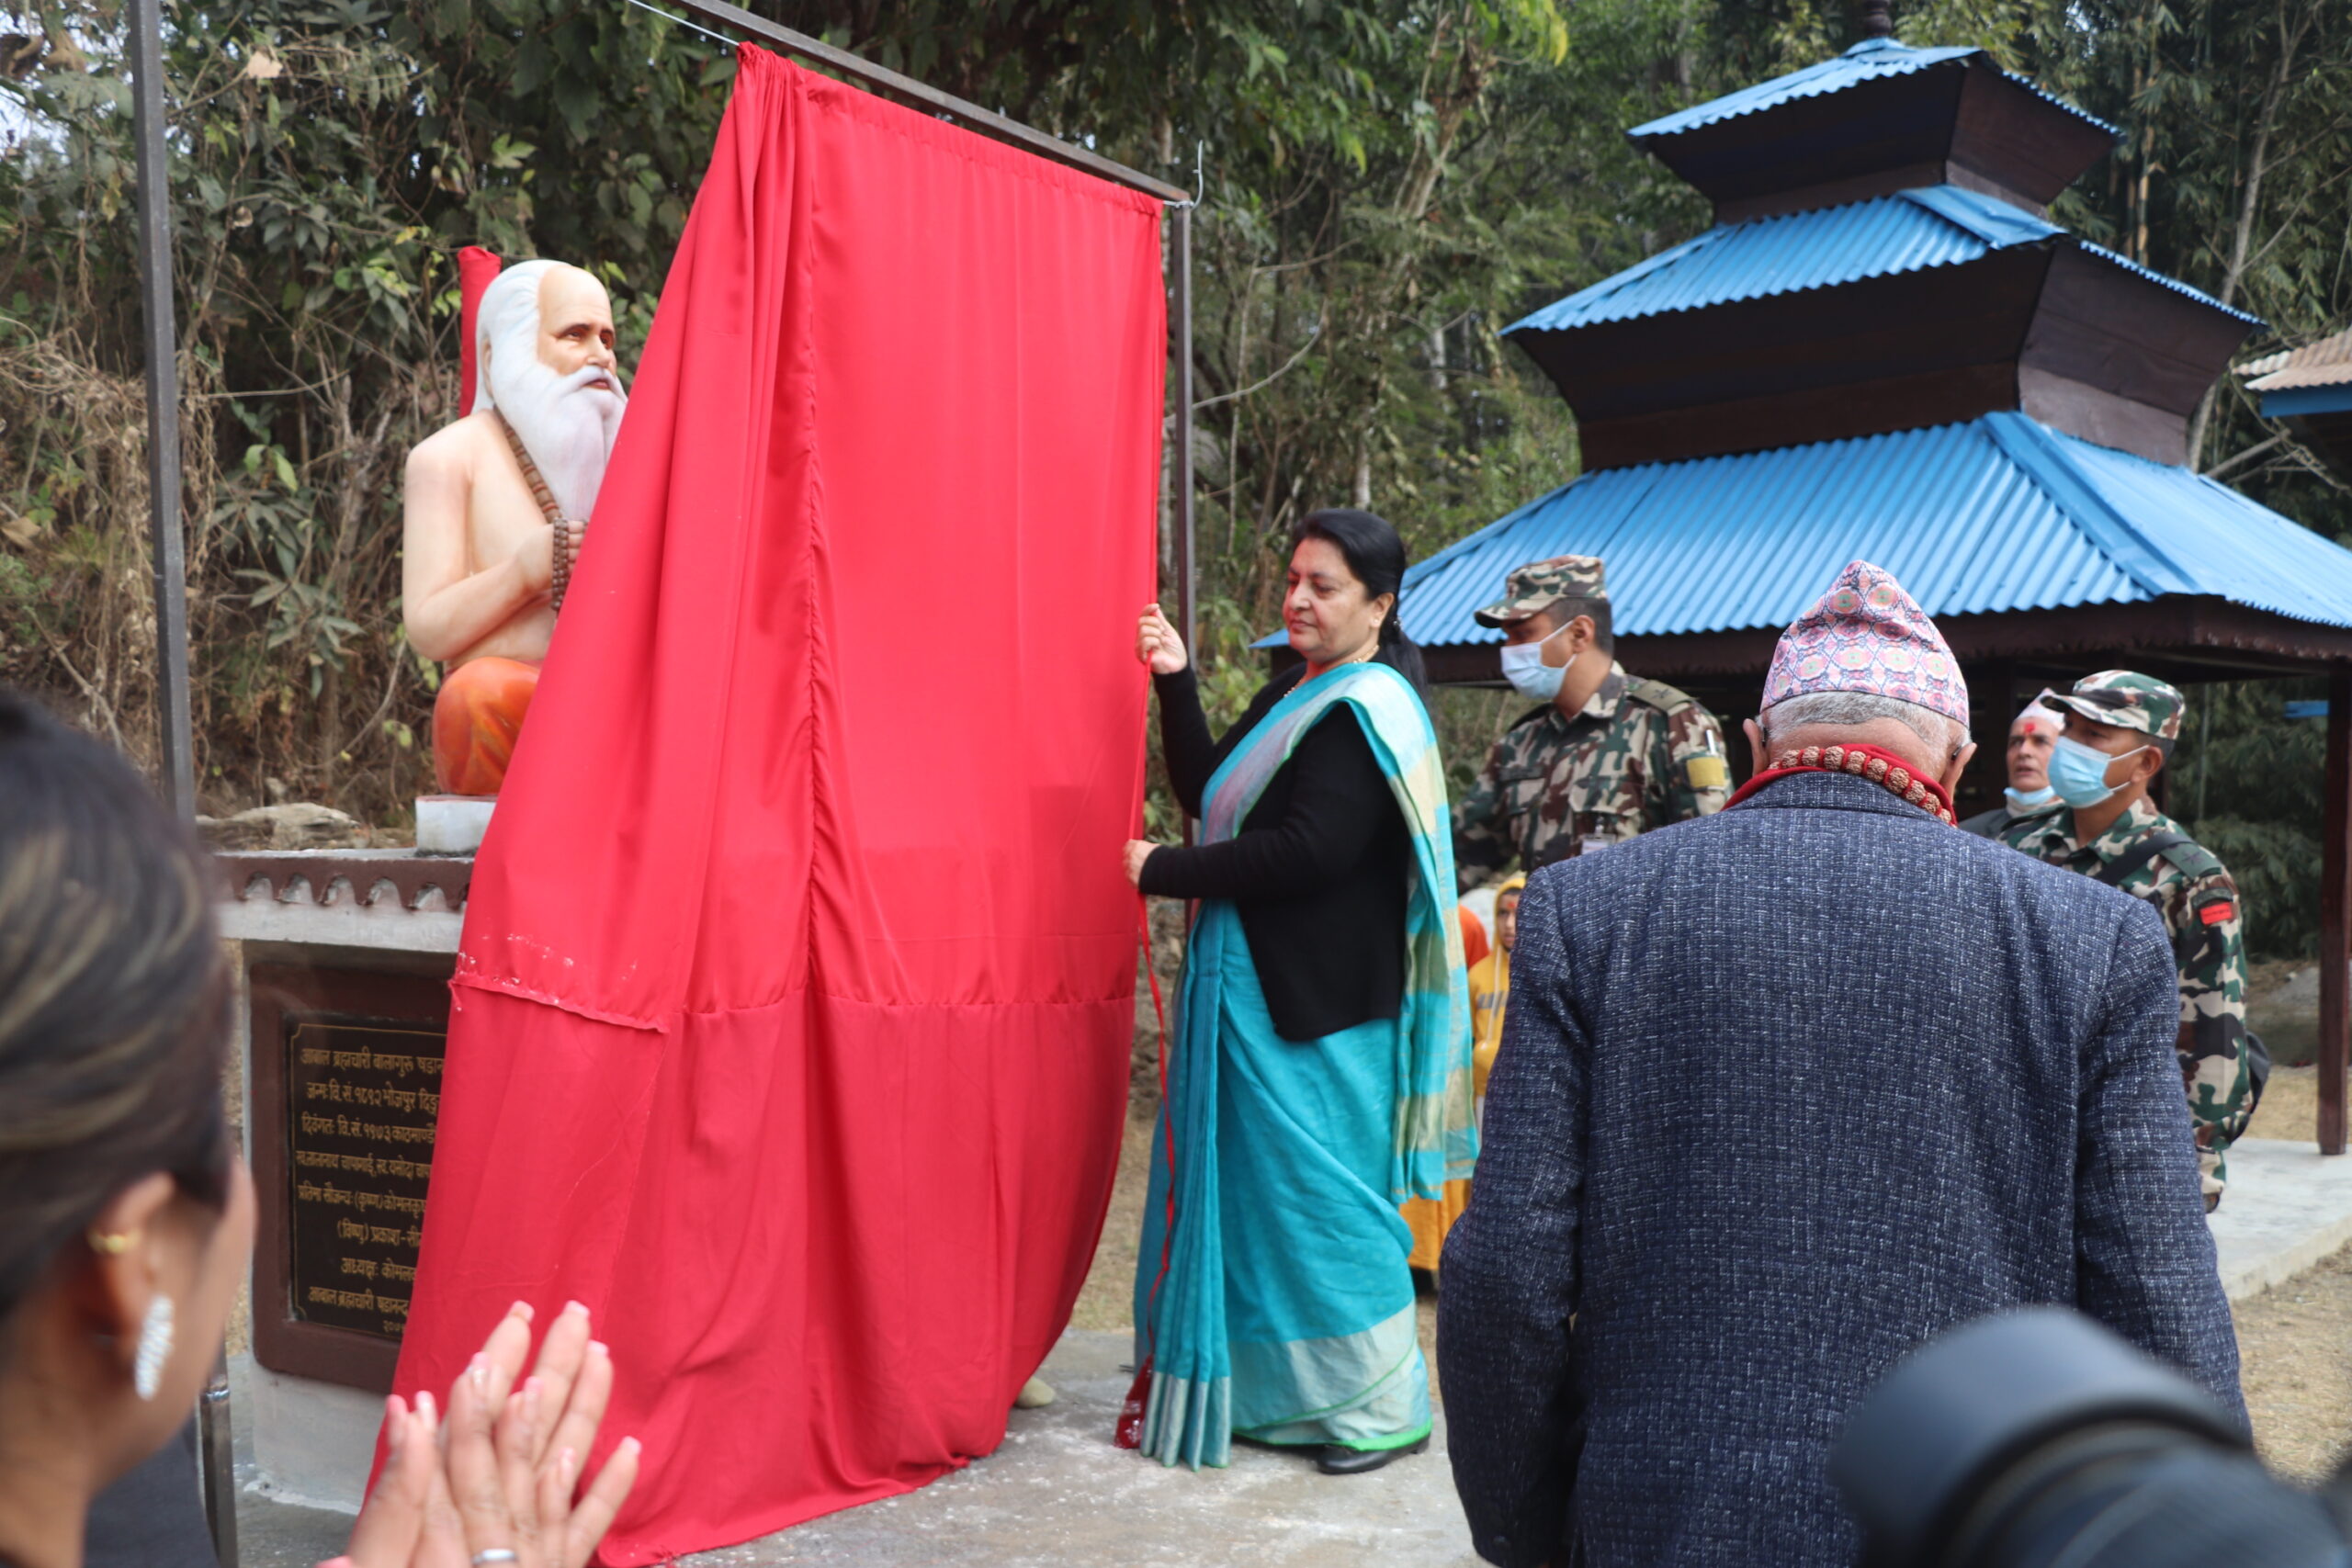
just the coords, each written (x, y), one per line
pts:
(110, 1244)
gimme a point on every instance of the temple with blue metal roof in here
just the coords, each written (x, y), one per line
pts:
(1884, 349)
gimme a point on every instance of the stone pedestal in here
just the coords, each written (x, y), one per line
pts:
(344, 960)
(452, 824)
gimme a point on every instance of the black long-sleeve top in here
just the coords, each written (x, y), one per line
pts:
(1319, 871)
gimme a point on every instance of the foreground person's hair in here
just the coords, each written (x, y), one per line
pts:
(113, 995)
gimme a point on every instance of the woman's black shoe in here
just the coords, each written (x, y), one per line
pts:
(1336, 1459)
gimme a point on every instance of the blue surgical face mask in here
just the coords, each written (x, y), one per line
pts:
(2078, 773)
(1524, 668)
(2031, 800)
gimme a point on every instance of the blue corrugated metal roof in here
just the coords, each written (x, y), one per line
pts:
(1910, 230)
(1998, 513)
(1933, 226)
(1869, 61)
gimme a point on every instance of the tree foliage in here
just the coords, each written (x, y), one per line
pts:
(1386, 184)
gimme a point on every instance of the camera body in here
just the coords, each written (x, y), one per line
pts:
(2036, 1438)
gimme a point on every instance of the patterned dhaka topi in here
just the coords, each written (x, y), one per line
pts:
(1866, 634)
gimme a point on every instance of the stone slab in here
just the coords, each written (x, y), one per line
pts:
(1058, 1494)
(2287, 1208)
(373, 928)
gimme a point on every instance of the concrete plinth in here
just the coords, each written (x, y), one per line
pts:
(1058, 1494)
(307, 1444)
(452, 824)
(2286, 1207)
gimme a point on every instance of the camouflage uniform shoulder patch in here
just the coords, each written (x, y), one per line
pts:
(2197, 863)
(1659, 694)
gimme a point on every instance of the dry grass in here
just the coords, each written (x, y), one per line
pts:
(2295, 1342)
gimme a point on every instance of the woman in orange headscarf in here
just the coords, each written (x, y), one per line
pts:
(1489, 987)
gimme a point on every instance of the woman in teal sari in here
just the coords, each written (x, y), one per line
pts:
(1320, 1072)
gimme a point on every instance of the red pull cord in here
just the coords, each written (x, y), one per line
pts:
(1131, 1412)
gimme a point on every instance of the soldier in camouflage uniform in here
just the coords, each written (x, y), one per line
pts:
(1609, 755)
(2128, 723)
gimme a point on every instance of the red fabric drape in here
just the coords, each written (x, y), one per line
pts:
(793, 1009)
(477, 270)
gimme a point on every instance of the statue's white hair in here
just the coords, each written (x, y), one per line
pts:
(1944, 735)
(507, 318)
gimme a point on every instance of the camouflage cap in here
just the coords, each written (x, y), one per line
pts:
(2125, 699)
(1539, 585)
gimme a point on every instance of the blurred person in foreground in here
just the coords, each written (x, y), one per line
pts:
(1783, 1093)
(2033, 734)
(2121, 728)
(127, 1214)
(1320, 1071)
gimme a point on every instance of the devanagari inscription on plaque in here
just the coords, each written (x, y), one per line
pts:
(363, 1099)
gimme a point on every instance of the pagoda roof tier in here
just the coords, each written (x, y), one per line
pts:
(1820, 248)
(1879, 117)
(1708, 560)
(1920, 308)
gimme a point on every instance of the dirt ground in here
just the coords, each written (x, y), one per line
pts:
(2295, 1340)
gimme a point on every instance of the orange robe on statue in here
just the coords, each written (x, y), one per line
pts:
(475, 721)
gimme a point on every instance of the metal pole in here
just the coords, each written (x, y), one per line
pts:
(162, 345)
(168, 559)
(217, 1462)
(2335, 914)
(1180, 335)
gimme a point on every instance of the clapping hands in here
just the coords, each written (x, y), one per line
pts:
(497, 1480)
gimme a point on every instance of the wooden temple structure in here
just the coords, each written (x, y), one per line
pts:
(1884, 350)
(2309, 391)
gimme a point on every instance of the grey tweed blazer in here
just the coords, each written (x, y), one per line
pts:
(1783, 1092)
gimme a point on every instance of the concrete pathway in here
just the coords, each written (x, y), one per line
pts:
(1058, 1493)
(2286, 1210)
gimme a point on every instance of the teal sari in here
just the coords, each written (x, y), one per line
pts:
(1279, 1308)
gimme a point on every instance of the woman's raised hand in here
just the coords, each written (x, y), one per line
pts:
(502, 1474)
(1157, 643)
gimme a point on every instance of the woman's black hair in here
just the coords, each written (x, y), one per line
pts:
(1376, 556)
(114, 995)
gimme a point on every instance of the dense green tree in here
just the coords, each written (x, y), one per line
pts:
(1386, 186)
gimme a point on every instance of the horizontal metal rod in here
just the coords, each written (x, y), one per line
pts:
(972, 114)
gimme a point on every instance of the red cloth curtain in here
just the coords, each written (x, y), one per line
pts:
(793, 1009)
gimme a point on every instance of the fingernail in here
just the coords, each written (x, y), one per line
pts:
(569, 1468)
(478, 1373)
(598, 1348)
(424, 1407)
(630, 1446)
(521, 1310)
(395, 1431)
(576, 1306)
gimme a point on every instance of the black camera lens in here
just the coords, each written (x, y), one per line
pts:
(2036, 1438)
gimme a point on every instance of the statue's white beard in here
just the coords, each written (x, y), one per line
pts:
(567, 423)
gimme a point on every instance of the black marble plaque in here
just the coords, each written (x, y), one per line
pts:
(362, 1098)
